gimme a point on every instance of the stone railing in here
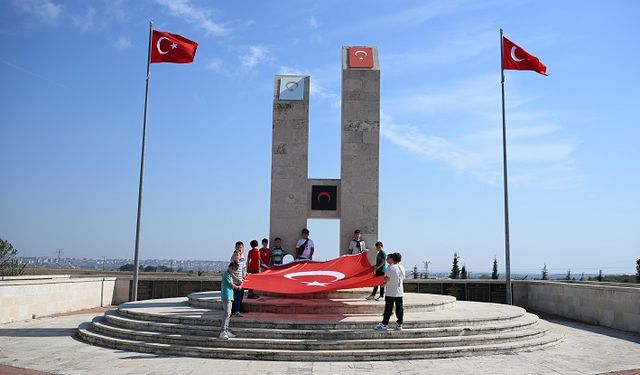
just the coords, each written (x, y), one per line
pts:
(29, 297)
(614, 306)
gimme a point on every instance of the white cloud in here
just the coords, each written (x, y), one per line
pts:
(215, 65)
(255, 55)
(195, 15)
(538, 157)
(85, 21)
(122, 43)
(43, 10)
(313, 23)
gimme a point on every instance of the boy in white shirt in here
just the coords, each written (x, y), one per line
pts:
(393, 277)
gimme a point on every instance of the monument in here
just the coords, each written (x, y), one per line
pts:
(309, 323)
(353, 198)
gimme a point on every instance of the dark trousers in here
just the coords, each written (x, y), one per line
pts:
(388, 307)
(375, 290)
(238, 295)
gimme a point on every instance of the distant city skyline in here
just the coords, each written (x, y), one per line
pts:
(71, 122)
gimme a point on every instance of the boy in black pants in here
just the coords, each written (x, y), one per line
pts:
(393, 277)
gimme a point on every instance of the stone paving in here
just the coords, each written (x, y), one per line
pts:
(48, 345)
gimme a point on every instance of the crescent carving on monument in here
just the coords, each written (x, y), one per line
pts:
(513, 54)
(360, 52)
(324, 194)
(158, 46)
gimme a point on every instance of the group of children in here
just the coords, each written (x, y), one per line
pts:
(258, 260)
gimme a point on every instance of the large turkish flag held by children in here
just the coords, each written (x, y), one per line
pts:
(345, 272)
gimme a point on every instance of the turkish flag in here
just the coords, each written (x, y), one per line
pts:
(345, 272)
(172, 48)
(360, 57)
(516, 58)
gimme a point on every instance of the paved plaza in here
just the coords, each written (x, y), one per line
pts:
(48, 345)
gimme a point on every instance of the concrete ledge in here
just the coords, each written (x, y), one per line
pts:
(611, 306)
(22, 299)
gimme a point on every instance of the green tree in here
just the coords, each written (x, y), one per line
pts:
(545, 273)
(582, 277)
(9, 262)
(568, 275)
(463, 272)
(455, 270)
(494, 272)
(600, 276)
(638, 270)
(415, 272)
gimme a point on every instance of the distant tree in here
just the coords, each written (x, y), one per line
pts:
(463, 272)
(455, 270)
(599, 276)
(415, 272)
(9, 262)
(150, 269)
(638, 270)
(568, 275)
(494, 272)
(582, 277)
(545, 273)
(129, 267)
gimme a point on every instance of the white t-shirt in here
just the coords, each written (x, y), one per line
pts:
(353, 247)
(393, 287)
(307, 250)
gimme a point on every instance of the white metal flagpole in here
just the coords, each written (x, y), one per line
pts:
(507, 257)
(136, 257)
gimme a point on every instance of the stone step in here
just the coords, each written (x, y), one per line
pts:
(286, 305)
(282, 341)
(391, 353)
(361, 330)
(185, 314)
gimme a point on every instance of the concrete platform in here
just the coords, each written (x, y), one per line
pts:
(336, 326)
(48, 345)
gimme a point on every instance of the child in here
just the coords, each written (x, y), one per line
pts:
(253, 264)
(227, 288)
(379, 269)
(238, 277)
(305, 246)
(393, 277)
(265, 256)
(277, 253)
(357, 245)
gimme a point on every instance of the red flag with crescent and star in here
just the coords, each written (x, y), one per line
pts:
(516, 58)
(172, 48)
(345, 272)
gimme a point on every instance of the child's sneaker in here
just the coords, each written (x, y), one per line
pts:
(399, 327)
(230, 335)
(378, 298)
(370, 297)
(224, 336)
(380, 327)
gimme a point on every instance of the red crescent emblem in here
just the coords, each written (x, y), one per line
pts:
(324, 194)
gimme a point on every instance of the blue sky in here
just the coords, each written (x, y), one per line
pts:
(73, 89)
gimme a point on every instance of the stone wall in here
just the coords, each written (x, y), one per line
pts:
(598, 304)
(27, 298)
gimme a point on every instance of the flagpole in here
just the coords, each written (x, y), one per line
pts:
(136, 258)
(507, 256)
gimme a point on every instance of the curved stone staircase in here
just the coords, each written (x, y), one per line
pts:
(335, 326)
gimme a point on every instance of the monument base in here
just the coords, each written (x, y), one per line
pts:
(334, 327)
